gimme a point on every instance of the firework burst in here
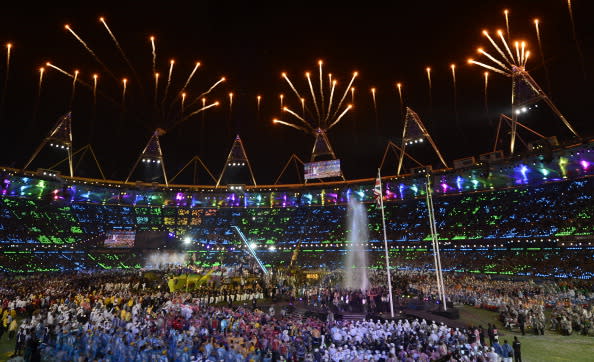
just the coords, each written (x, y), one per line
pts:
(171, 103)
(513, 64)
(327, 108)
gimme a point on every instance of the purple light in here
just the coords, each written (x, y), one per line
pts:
(179, 196)
(444, 187)
(585, 164)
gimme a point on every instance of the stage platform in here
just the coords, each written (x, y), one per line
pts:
(426, 311)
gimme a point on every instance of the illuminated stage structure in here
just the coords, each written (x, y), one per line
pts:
(525, 91)
(152, 155)
(60, 137)
(237, 158)
(414, 133)
(319, 119)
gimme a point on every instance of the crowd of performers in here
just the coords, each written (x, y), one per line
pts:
(126, 316)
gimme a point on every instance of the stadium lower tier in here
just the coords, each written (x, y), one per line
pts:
(558, 263)
(52, 235)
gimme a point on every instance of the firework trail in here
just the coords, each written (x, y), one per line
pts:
(124, 84)
(117, 43)
(39, 86)
(67, 27)
(322, 85)
(486, 74)
(8, 48)
(375, 111)
(313, 95)
(453, 68)
(506, 14)
(190, 77)
(258, 101)
(73, 88)
(95, 78)
(5, 87)
(229, 120)
(168, 81)
(156, 88)
(154, 52)
(428, 70)
(542, 57)
(399, 87)
(575, 38)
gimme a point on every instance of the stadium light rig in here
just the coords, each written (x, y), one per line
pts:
(512, 64)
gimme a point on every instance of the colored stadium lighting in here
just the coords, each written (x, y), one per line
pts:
(187, 240)
(585, 164)
(459, 181)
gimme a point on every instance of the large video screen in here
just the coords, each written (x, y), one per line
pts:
(120, 239)
(322, 169)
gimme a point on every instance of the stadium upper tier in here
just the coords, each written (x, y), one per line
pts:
(524, 198)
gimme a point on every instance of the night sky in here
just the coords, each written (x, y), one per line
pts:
(251, 44)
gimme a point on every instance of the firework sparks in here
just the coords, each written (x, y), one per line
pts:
(161, 101)
(327, 111)
(506, 14)
(353, 95)
(517, 72)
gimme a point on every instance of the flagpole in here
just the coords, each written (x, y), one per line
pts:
(381, 199)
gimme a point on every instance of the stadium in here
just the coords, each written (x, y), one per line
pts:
(429, 259)
(54, 222)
